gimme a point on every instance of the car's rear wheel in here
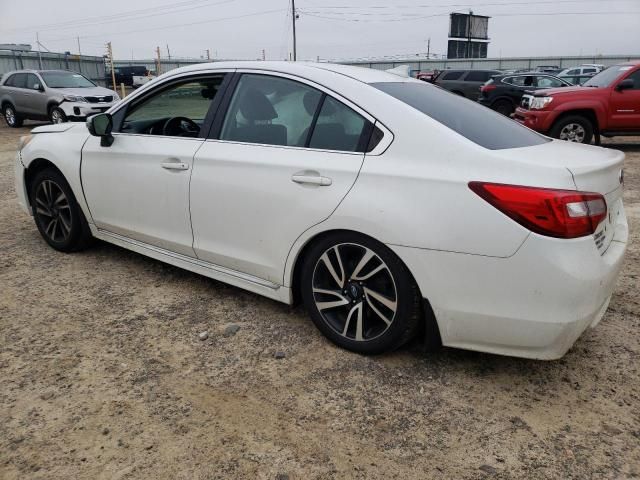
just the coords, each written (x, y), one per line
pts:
(56, 115)
(359, 293)
(505, 107)
(574, 128)
(57, 214)
(11, 116)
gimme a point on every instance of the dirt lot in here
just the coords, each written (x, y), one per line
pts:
(103, 376)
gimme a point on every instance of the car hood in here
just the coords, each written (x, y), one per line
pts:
(57, 127)
(547, 92)
(83, 92)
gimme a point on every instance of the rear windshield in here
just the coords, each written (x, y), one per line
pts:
(473, 121)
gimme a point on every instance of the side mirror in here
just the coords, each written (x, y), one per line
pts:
(100, 125)
(625, 84)
(38, 87)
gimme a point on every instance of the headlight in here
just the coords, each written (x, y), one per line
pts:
(23, 141)
(116, 97)
(538, 103)
(73, 98)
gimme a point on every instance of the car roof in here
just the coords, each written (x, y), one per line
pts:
(309, 70)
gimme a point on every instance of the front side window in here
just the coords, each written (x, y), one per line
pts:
(178, 110)
(66, 80)
(548, 82)
(32, 81)
(635, 76)
(478, 124)
(270, 110)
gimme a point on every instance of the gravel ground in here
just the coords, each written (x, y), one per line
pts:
(103, 375)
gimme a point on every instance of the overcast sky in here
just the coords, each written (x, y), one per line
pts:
(330, 29)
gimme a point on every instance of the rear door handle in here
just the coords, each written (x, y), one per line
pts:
(311, 180)
(175, 166)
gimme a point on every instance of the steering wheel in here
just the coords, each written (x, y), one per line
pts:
(180, 127)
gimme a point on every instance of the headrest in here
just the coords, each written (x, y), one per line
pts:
(256, 106)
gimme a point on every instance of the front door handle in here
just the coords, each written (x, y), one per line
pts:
(175, 166)
(311, 180)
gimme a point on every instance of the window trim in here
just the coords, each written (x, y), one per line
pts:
(216, 127)
(120, 112)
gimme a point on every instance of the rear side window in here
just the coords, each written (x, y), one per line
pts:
(478, 76)
(479, 124)
(520, 81)
(18, 80)
(451, 76)
(337, 128)
(9, 81)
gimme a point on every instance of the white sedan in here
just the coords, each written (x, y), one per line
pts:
(390, 207)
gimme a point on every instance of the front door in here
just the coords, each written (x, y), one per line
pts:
(285, 156)
(625, 106)
(139, 186)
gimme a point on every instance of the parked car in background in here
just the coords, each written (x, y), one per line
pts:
(583, 70)
(553, 69)
(428, 76)
(464, 82)
(55, 95)
(503, 93)
(415, 210)
(125, 74)
(608, 104)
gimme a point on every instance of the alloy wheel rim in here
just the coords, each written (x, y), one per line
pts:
(53, 211)
(56, 117)
(10, 116)
(354, 292)
(573, 132)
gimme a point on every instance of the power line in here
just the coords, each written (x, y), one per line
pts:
(117, 16)
(420, 17)
(450, 5)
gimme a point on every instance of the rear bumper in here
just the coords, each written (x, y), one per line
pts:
(534, 304)
(83, 109)
(538, 120)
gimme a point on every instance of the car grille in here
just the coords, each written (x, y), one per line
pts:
(107, 98)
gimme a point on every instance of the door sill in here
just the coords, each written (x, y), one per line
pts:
(223, 274)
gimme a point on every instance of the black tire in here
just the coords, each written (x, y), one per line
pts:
(376, 336)
(70, 233)
(57, 115)
(13, 119)
(573, 128)
(505, 107)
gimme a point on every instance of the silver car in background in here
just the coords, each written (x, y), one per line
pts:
(55, 95)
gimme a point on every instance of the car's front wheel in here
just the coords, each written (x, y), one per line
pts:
(359, 293)
(56, 115)
(505, 107)
(57, 214)
(11, 116)
(574, 128)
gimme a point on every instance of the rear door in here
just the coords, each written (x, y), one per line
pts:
(279, 160)
(625, 105)
(18, 90)
(473, 80)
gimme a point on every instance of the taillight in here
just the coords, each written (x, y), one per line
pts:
(550, 212)
(487, 88)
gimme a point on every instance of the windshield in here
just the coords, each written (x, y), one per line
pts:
(66, 80)
(477, 123)
(606, 77)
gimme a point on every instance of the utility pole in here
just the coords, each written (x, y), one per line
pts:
(293, 18)
(428, 48)
(264, 55)
(158, 71)
(113, 72)
(208, 54)
(469, 34)
(40, 55)
(79, 55)
(168, 52)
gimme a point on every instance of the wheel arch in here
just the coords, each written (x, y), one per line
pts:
(429, 325)
(35, 166)
(52, 104)
(589, 113)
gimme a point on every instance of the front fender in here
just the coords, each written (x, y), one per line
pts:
(599, 108)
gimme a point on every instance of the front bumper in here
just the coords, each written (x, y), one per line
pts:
(21, 188)
(538, 120)
(84, 109)
(534, 304)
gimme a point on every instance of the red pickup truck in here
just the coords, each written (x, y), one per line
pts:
(608, 104)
